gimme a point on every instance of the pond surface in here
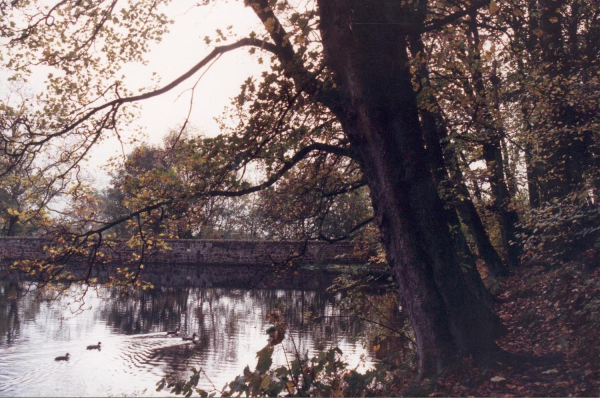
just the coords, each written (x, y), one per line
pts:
(136, 353)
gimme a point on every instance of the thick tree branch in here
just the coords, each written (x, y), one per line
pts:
(421, 27)
(284, 50)
(291, 62)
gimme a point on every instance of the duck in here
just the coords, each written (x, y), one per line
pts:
(65, 358)
(94, 347)
(173, 332)
(199, 341)
(189, 338)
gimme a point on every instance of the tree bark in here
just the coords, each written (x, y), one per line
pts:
(367, 51)
(532, 179)
(439, 174)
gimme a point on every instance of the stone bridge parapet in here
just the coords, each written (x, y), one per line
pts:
(213, 252)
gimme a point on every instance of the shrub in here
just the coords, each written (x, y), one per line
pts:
(561, 231)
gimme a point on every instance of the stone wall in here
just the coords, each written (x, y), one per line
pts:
(213, 252)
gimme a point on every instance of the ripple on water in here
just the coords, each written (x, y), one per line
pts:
(146, 353)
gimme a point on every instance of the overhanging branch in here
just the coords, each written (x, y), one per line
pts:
(357, 185)
(300, 155)
(354, 229)
(245, 42)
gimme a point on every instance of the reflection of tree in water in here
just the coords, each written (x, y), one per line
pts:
(219, 316)
(23, 303)
(10, 321)
(137, 312)
(17, 302)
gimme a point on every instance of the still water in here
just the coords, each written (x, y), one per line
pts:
(136, 353)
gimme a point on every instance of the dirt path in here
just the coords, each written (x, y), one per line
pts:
(552, 314)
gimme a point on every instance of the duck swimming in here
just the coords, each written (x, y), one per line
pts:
(94, 347)
(173, 332)
(65, 358)
(189, 338)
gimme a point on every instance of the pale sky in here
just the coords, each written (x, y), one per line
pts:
(179, 50)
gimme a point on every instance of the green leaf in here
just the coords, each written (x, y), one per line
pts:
(264, 359)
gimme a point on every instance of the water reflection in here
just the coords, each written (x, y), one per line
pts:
(135, 351)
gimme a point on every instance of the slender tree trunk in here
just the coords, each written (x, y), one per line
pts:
(12, 223)
(368, 55)
(508, 218)
(532, 170)
(444, 162)
(529, 40)
(439, 174)
(492, 155)
(565, 150)
(532, 180)
(509, 168)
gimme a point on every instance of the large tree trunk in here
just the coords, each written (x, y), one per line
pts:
(368, 54)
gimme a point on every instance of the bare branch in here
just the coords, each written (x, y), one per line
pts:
(354, 229)
(357, 185)
(301, 154)
(120, 101)
(440, 23)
